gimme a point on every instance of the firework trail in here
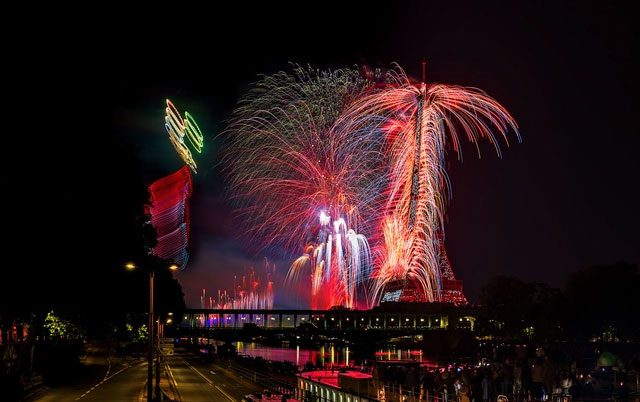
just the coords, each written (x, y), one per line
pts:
(287, 161)
(180, 128)
(419, 121)
(169, 213)
(250, 292)
(338, 264)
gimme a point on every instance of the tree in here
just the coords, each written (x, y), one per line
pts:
(523, 309)
(603, 302)
(507, 301)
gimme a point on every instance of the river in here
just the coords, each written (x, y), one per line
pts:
(326, 354)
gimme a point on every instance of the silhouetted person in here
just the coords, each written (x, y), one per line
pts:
(537, 378)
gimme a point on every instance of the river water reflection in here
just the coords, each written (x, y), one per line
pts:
(328, 354)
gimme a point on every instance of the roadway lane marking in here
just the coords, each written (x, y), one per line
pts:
(171, 376)
(229, 397)
(109, 368)
(225, 394)
(173, 379)
(105, 380)
(199, 373)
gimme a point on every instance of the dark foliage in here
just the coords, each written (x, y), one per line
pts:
(598, 302)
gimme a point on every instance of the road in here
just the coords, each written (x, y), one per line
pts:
(124, 384)
(197, 380)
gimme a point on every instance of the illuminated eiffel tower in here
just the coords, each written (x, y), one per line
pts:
(407, 290)
(451, 288)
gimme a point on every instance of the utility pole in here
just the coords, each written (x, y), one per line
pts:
(158, 392)
(151, 325)
(152, 270)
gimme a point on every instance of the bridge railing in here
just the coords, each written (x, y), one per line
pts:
(326, 320)
(264, 380)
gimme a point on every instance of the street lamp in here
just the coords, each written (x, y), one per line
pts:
(131, 266)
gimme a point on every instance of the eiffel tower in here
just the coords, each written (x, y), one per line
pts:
(447, 288)
(407, 290)
(451, 288)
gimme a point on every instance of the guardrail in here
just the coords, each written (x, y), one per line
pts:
(265, 380)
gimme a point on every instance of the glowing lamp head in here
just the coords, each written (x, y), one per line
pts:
(173, 267)
(130, 266)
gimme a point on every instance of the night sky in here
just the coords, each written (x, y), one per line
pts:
(565, 198)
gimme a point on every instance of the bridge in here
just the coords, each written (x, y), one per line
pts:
(405, 317)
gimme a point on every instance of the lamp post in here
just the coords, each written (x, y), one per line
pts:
(152, 271)
(158, 359)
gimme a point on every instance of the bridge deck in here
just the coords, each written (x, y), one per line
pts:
(425, 316)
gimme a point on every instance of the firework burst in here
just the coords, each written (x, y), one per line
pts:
(287, 162)
(419, 121)
(339, 262)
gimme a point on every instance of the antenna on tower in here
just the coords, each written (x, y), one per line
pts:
(424, 70)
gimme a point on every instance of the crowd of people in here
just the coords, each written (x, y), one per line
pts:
(536, 378)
